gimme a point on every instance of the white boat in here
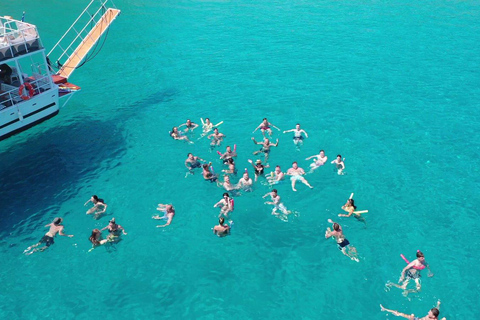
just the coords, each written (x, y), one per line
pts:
(30, 90)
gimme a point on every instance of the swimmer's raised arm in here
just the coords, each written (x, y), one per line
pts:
(218, 203)
(261, 124)
(396, 313)
(288, 130)
(254, 141)
(274, 144)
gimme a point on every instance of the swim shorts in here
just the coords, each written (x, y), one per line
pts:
(47, 240)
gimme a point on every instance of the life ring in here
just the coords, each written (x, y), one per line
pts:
(29, 88)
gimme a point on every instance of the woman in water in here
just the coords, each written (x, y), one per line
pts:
(320, 160)
(432, 314)
(411, 272)
(226, 204)
(258, 167)
(265, 126)
(99, 206)
(177, 135)
(96, 239)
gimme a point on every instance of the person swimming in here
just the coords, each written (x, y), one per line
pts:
(296, 172)
(351, 208)
(433, 314)
(99, 206)
(96, 239)
(193, 162)
(221, 229)
(207, 174)
(177, 135)
(266, 145)
(226, 205)
(216, 138)
(276, 176)
(297, 135)
(258, 167)
(189, 125)
(339, 164)
(277, 203)
(169, 213)
(342, 242)
(265, 127)
(411, 272)
(55, 228)
(229, 154)
(114, 228)
(318, 161)
(245, 183)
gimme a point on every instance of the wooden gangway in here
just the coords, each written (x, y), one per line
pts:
(88, 42)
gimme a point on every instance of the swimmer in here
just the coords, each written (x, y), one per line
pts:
(114, 229)
(189, 125)
(231, 167)
(221, 229)
(207, 174)
(193, 162)
(351, 209)
(265, 126)
(432, 314)
(216, 138)
(258, 167)
(245, 182)
(411, 271)
(207, 125)
(276, 176)
(342, 242)
(226, 204)
(169, 214)
(99, 206)
(55, 227)
(297, 173)
(229, 154)
(96, 239)
(226, 183)
(177, 135)
(276, 202)
(266, 144)
(339, 163)
(297, 135)
(320, 160)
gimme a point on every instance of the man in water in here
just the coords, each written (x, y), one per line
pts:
(266, 144)
(99, 206)
(221, 229)
(190, 125)
(169, 211)
(265, 126)
(297, 135)
(216, 138)
(245, 182)
(320, 160)
(297, 173)
(342, 242)
(55, 227)
(276, 176)
(229, 154)
(276, 202)
(432, 314)
(226, 183)
(193, 162)
(338, 162)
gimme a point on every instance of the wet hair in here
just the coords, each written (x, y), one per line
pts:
(322, 150)
(435, 312)
(228, 147)
(298, 124)
(265, 119)
(188, 155)
(275, 190)
(294, 162)
(207, 119)
(420, 255)
(226, 194)
(336, 227)
(205, 166)
(352, 203)
(95, 197)
(221, 220)
(57, 221)
(215, 129)
(93, 238)
(277, 167)
(339, 155)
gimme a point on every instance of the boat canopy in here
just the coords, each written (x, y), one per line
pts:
(17, 38)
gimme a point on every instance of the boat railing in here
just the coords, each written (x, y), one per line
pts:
(79, 31)
(17, 38)
(10, 95)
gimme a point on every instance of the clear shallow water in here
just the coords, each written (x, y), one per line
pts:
(393, 87)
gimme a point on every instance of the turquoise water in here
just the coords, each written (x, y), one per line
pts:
(393, 86)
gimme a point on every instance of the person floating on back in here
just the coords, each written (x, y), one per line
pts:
(432, 314)
(55, 227)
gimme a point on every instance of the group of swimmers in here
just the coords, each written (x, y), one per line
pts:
(245, 183)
